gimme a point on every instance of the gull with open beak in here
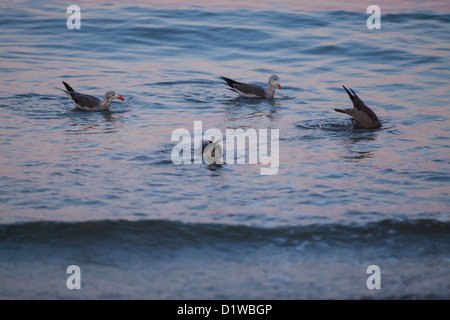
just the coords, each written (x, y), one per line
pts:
(90, 103)
(252, 90)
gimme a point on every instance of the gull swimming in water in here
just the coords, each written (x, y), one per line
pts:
(252, 90)
(211, 151)
(88, 102)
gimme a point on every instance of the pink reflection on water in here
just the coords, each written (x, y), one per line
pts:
(387, 6)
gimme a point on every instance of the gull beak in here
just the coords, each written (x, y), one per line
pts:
(279, 87)
(120, 98)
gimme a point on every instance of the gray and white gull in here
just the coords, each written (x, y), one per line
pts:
(362, 116)
(90, 103)
(253, 90)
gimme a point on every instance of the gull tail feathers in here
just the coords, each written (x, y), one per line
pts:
(69, 88)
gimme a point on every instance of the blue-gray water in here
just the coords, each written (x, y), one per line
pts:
(99, 189)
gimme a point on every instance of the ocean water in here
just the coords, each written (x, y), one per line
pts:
(99, 189)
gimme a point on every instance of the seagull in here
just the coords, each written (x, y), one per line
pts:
(211, 151)
(252, 90)
(362, 116)
(90, 103)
